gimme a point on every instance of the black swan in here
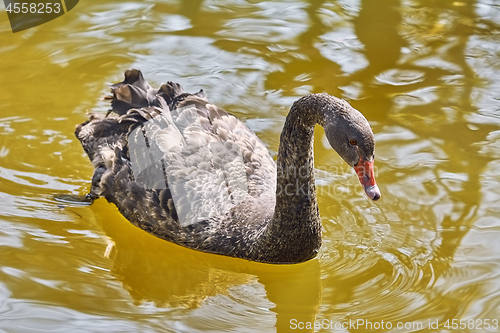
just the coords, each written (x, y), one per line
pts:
(188, 172)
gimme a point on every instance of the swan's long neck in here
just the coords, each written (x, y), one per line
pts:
(295, 229)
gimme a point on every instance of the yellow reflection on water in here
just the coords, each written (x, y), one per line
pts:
(425, 73)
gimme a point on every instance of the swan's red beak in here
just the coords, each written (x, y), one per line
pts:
(364, 170)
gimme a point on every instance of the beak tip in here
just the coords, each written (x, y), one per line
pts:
(373, 192)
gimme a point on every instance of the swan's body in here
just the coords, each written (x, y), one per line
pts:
(165, 176)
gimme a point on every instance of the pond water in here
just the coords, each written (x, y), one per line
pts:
(425, 73)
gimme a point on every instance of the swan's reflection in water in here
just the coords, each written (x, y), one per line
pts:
(208, 290)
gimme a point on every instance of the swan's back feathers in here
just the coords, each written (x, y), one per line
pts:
(135, 92)
(169, 157)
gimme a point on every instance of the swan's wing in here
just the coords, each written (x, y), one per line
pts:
(179, 156)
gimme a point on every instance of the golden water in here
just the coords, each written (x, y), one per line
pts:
(425, 73)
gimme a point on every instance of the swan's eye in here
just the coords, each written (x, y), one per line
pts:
(353, 142)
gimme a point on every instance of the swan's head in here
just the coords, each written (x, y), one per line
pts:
(351, 136)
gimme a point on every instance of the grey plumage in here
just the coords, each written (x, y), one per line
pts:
(168, 157)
